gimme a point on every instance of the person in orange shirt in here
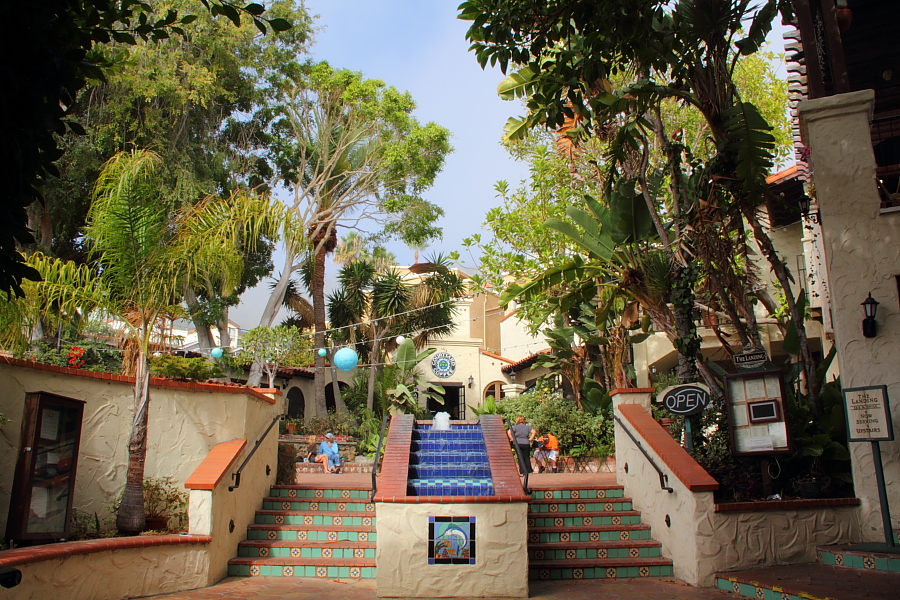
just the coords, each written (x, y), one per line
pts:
(547, 454)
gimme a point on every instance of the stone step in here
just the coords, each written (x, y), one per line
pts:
(584, 519)
(601, 550)
(857, 558)
(287, 517)
(810, 582)
(597, 533)
(346, 467)
(296, 491)
(302, 567)
(313, 505)
(600, 569)
(330, 533)
(579, 505)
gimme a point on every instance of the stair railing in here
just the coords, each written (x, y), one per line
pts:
(384, 421)
(237, 475)
(663, 478)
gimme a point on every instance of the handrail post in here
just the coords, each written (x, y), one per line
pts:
(663, 479)
(384, 421)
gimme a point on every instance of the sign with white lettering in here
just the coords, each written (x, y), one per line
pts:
(750, 358)
(686, 399)
(868, 414)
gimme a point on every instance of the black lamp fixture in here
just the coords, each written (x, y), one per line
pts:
(870, 305)
(812, 217)
(471, 381)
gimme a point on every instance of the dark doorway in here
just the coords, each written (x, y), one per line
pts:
(296, 403)
(330, 406)
(454, 401)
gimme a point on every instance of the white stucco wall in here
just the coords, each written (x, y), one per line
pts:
(862, 256)
(183, 427)
(501, 568)
(116, 574)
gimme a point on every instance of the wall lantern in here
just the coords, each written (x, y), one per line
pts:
(805, 202)
(471, 381)
(870, 305)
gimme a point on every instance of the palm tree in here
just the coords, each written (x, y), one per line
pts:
(144, 255)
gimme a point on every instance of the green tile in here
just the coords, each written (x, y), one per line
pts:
(332, 572)
(309, 571)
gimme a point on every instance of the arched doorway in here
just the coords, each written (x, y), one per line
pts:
(495, 389)
(330, 406)
(296, 403)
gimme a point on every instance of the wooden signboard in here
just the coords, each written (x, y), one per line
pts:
(868, 414)
(755, 407)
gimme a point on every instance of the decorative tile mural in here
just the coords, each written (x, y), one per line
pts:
(451, 540)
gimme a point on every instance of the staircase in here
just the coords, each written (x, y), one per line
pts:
(589, 532)
(838, 573)
(302, 531)
(450, 462)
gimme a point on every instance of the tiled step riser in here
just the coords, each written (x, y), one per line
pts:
(344, 521)
(605, 520)
(476, 447)
(591, 553)
(449, 437)
(588, 536)
(345, 468)
(860, 560)
(301, 571)
(577, 494)
(291, 504)
(536, 574)
(311, 536)
(279, 492)
(473, 471)
(446, 458)
(576, 506)
(330, 552)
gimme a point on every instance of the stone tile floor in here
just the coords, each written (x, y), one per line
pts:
(268, 588)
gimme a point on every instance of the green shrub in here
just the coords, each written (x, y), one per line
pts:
(184, 369)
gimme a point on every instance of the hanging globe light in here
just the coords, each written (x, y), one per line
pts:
(322, 352)
(400, 340)
(217, 352)
(345, 359)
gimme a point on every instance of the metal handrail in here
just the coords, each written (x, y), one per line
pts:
(521, 463)
(384, 421)
(237, 475)
(663, 479)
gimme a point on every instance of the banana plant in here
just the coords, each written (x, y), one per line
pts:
(411, 387)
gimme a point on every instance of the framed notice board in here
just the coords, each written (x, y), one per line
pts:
(868, 414)
(754, 402)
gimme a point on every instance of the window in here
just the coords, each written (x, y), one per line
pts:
(495, 389)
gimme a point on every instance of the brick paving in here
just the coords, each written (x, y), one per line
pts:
(265, 588)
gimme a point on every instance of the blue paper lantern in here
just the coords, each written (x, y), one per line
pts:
(217, 352)
(345, 359)
(322, 352)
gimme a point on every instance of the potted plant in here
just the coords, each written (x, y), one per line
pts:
(162, 502)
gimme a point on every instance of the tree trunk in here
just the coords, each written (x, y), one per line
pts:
(339, 405)
(222, 324)
(130, 518)
(318, 298)
(370, 389)
(204, 333)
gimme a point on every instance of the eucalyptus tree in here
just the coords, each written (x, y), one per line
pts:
(142, 255)
(352, 155)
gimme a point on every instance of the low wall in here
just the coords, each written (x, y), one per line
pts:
(186, 421)
(109, 569)
(703, 538)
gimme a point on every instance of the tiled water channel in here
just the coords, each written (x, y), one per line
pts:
(450, 462)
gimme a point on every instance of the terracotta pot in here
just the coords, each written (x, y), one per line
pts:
(156, 523)
(291, 428)
(844, 19)
(667, 421)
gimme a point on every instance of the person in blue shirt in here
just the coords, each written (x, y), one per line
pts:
(328, 455)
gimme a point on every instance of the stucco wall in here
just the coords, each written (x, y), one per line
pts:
(184, 425)
(862, 256)
(501, 568)
(112, 575)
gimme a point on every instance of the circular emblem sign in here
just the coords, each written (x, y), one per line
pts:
(443, 365)
(686, 399)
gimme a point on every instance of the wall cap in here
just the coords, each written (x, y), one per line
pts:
(632, 391)
(33, 554)
(212, 469)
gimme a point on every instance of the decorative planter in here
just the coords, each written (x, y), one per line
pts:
(291, 428)
(156, 523)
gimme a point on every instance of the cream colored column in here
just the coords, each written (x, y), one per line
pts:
(862, 255)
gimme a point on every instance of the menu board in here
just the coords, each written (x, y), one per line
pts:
(755, 408)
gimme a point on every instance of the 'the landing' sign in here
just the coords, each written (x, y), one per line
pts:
(868, 414)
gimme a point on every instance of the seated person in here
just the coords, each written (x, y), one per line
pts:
(328, 455)
(312, 449)
(547, 453)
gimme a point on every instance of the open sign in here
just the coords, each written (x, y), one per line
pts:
(686, 399)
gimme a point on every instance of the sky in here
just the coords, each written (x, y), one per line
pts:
(420, 46)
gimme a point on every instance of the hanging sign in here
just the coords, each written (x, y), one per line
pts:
(687, 399)
(868, 414)
(754, 403)
(750, 358)
(443, 365)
